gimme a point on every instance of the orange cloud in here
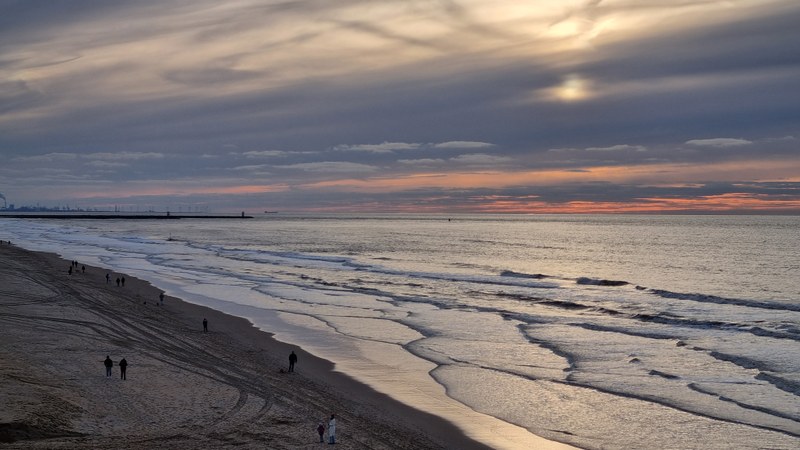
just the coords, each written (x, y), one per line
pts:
(676, 174)
(731, 202)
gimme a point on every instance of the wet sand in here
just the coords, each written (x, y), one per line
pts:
(185, 388)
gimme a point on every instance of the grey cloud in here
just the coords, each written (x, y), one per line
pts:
(106, 164)
(480, 159)
(563, 150)
(618, 148)
(421, 162)
(463, 144)
(659, 91)
(211, 76)
(718, 142)
(264, 153)
(331, 167)
(251, 168)
(18, 95)
(385, 147)
(782, 139)
(49, 157)
(124, 155)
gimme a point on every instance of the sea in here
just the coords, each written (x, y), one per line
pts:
(598, 331)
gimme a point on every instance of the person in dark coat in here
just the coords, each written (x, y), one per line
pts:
(109, 364)
(122, 366)
(205, 325)
(321, 431)
(292, 360)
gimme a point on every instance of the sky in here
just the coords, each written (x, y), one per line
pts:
(540, 106)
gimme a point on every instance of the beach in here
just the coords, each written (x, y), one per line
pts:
(185, 388)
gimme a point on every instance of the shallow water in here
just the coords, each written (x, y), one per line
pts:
(599, 331)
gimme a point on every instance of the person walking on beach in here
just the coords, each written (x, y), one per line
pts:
(205, 325)
(108, 278)
(122, 366)
(109, 364)
(123, 281)
(292, 360)
(332, 430)
(117, 281)
(83, 269)
(321, 431)
(161, 298)
(70, 270)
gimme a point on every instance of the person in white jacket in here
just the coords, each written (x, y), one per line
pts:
(332, 430)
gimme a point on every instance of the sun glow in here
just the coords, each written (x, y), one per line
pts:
(573, 88)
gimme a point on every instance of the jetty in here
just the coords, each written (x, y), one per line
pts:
(105, 216)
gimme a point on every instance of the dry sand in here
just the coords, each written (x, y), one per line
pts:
(185, 388)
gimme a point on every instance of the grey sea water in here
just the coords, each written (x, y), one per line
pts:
(599, 331)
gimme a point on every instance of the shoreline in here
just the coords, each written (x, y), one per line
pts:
(167, 351)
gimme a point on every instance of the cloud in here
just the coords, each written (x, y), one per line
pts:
(718, 142)
(264, 153)
(385, 147)
(251, 168)
(106, 164)
(618, 148)
(562, 150)
(782, 139)
(463, 144)
(124, 156)
(49, 157)
(331, 167)
(422, 162)
(180, 91)
(481, 159)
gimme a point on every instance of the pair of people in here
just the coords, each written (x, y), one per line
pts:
(123, 366)
(331, 430)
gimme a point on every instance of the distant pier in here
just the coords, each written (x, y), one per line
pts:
(103, 216)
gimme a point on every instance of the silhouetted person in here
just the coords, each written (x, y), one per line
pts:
(83, 269)
(332, 430)
(161, 297)
(123, 281)
(122, 366)
(205, 325)
(292, 360)
(70, 270)
(108, 278)
(321, 431)
(109, 364)
(117, 281)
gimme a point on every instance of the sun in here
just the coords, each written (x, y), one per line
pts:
(573, 88)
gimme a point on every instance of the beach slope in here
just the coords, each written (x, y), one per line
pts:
(185, 388)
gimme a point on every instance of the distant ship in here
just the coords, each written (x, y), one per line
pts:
(270, 212)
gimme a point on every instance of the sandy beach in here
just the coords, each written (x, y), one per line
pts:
(185, 388)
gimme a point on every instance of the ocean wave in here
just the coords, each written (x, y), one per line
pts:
(703, 298)
(792, 387)
(769, 411)
(511, 273)
(600, 282)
